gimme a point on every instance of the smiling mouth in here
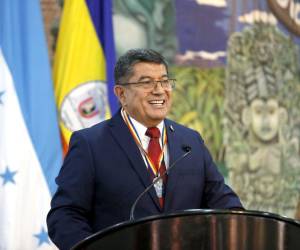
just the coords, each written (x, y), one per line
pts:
(157, 103)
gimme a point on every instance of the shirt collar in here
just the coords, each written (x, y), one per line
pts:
(141, 129)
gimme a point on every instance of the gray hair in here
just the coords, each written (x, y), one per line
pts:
(124, 66)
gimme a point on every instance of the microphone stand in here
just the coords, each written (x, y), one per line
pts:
(155, 180)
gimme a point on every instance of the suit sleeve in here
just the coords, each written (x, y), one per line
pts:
(217, 194)
(70, 215)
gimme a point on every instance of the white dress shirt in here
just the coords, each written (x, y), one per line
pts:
(141, 131)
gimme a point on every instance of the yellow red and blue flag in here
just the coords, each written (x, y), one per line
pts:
(83, 65)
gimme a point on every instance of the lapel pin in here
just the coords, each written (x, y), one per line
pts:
(171, 128)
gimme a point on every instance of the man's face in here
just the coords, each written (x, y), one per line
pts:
(148, 107)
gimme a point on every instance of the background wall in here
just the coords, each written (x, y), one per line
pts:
(237, 68)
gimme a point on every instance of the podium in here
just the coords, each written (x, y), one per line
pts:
(200, 229)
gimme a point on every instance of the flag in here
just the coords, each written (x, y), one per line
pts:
(83, 65)
(30, 149)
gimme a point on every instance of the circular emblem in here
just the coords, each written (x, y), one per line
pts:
(84, 106)
(287, 11)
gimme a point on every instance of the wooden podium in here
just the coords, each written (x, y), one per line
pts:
(200, 229)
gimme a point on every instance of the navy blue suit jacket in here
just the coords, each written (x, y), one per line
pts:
(104, 172)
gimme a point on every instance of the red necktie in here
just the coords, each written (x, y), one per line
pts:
(154, 151)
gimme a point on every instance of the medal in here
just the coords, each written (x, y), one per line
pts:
(159, 187)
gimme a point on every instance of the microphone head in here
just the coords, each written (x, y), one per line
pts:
(186, 148)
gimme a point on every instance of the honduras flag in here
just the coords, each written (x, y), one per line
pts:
(30, 151)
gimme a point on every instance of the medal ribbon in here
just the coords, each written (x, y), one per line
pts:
(137, 140)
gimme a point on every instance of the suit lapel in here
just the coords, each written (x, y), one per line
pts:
(122, 135)
(175, 152)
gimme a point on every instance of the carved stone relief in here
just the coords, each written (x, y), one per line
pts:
(261, 123)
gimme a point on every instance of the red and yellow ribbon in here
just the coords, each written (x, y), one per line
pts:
(137, 140)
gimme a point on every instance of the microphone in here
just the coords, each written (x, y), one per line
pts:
(187, 150)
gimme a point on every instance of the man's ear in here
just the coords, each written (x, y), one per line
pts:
(246, 116)
(120, 94)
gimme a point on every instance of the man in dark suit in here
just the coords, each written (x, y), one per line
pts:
(111, 163)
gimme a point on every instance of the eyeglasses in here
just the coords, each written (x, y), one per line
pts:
(167, 84)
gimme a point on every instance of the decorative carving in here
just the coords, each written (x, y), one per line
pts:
(261, 119)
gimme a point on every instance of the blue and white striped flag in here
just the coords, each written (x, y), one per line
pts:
(30, 150)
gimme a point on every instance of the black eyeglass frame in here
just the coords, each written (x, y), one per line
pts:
(171, 82)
